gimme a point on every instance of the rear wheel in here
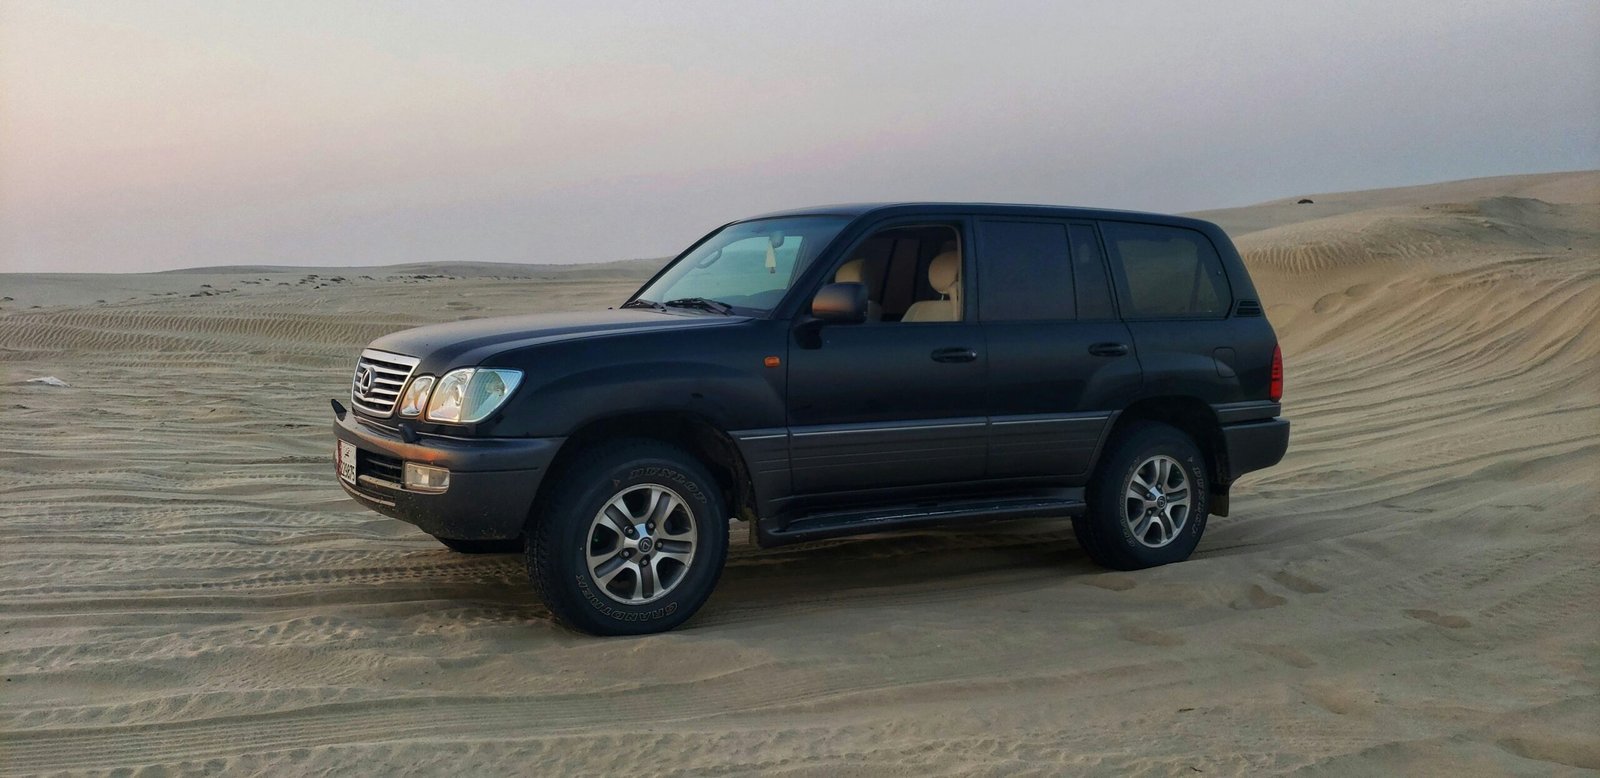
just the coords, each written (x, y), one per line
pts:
(1149, 500)
(511, 546)
(631, 541)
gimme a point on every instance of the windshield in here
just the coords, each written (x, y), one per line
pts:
(747, 266)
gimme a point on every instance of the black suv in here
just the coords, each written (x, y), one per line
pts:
(827, 372)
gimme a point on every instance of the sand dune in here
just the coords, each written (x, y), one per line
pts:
(183, 586)
(1556, 188)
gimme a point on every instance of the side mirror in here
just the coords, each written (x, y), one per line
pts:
(840, 303)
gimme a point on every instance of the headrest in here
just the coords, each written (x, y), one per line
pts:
(851, 272)
(944, 272)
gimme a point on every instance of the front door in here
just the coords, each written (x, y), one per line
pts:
(897, 401)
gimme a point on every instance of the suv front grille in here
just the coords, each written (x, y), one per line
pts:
(379, 379)
(383, 468)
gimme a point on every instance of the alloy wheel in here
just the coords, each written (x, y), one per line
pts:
(1157, 501)
(641, 544)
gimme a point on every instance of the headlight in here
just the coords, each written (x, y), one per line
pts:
(416, 396)
(470, 394)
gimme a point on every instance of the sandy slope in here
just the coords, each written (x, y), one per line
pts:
(1414, 589)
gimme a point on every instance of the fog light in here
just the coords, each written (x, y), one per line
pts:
(422, 478)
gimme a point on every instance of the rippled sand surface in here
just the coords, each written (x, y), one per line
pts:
(184, 587)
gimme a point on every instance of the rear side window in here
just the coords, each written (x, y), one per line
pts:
(1089, 271)
(1166, 272)
(1025, 271)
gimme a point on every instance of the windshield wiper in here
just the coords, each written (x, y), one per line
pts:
(643, 303)
(702, 303)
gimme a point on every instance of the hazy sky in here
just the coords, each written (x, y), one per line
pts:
(152, 135)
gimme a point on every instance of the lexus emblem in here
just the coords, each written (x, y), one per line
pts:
(363, 382)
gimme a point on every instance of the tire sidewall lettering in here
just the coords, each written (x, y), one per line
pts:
(672, 475)
(612, 612)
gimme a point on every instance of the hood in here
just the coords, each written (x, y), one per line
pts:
(466, 343)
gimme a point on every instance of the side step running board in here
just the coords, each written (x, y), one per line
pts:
(840, 523)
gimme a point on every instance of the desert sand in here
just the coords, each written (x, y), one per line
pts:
(184, 587)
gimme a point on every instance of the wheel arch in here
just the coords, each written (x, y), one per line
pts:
(1195, 418)
(695, 433)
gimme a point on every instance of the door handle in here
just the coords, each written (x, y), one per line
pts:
(1109, 349)
(954, 354)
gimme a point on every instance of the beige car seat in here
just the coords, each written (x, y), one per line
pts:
(944, 275)
(855, 272)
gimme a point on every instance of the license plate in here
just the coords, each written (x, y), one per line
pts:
(347, 462)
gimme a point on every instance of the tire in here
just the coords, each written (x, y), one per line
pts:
(511, 546)
(591, 575)
(1135, 458)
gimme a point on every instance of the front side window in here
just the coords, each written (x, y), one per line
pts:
(1166, 272)
(912, 273)
(745, 267)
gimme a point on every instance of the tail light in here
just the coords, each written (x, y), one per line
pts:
(1275, 387)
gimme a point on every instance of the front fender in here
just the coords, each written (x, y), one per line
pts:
(715, 373)
(730, 399)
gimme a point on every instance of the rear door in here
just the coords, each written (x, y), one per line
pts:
(1175, 297)
(1060, 361)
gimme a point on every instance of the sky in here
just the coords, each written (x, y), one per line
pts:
(142, 135)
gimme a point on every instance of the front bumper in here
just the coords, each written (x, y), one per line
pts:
(1254, 445)
(492, 480)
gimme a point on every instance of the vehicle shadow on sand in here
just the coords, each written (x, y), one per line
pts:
(765, 584)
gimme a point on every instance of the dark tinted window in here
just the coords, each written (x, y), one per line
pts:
(1166, 272)
(1026, 271)
(1089, 271)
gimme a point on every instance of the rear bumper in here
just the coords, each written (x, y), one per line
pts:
(492, 480)
(1254, 445)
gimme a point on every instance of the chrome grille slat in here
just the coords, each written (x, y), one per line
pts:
(389, 375)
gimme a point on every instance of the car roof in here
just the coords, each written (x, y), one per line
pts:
(990, 209)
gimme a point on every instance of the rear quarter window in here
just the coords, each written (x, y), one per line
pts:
(1166, 272)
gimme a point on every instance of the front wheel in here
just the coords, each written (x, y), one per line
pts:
(1148, 501)
(630, 542)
